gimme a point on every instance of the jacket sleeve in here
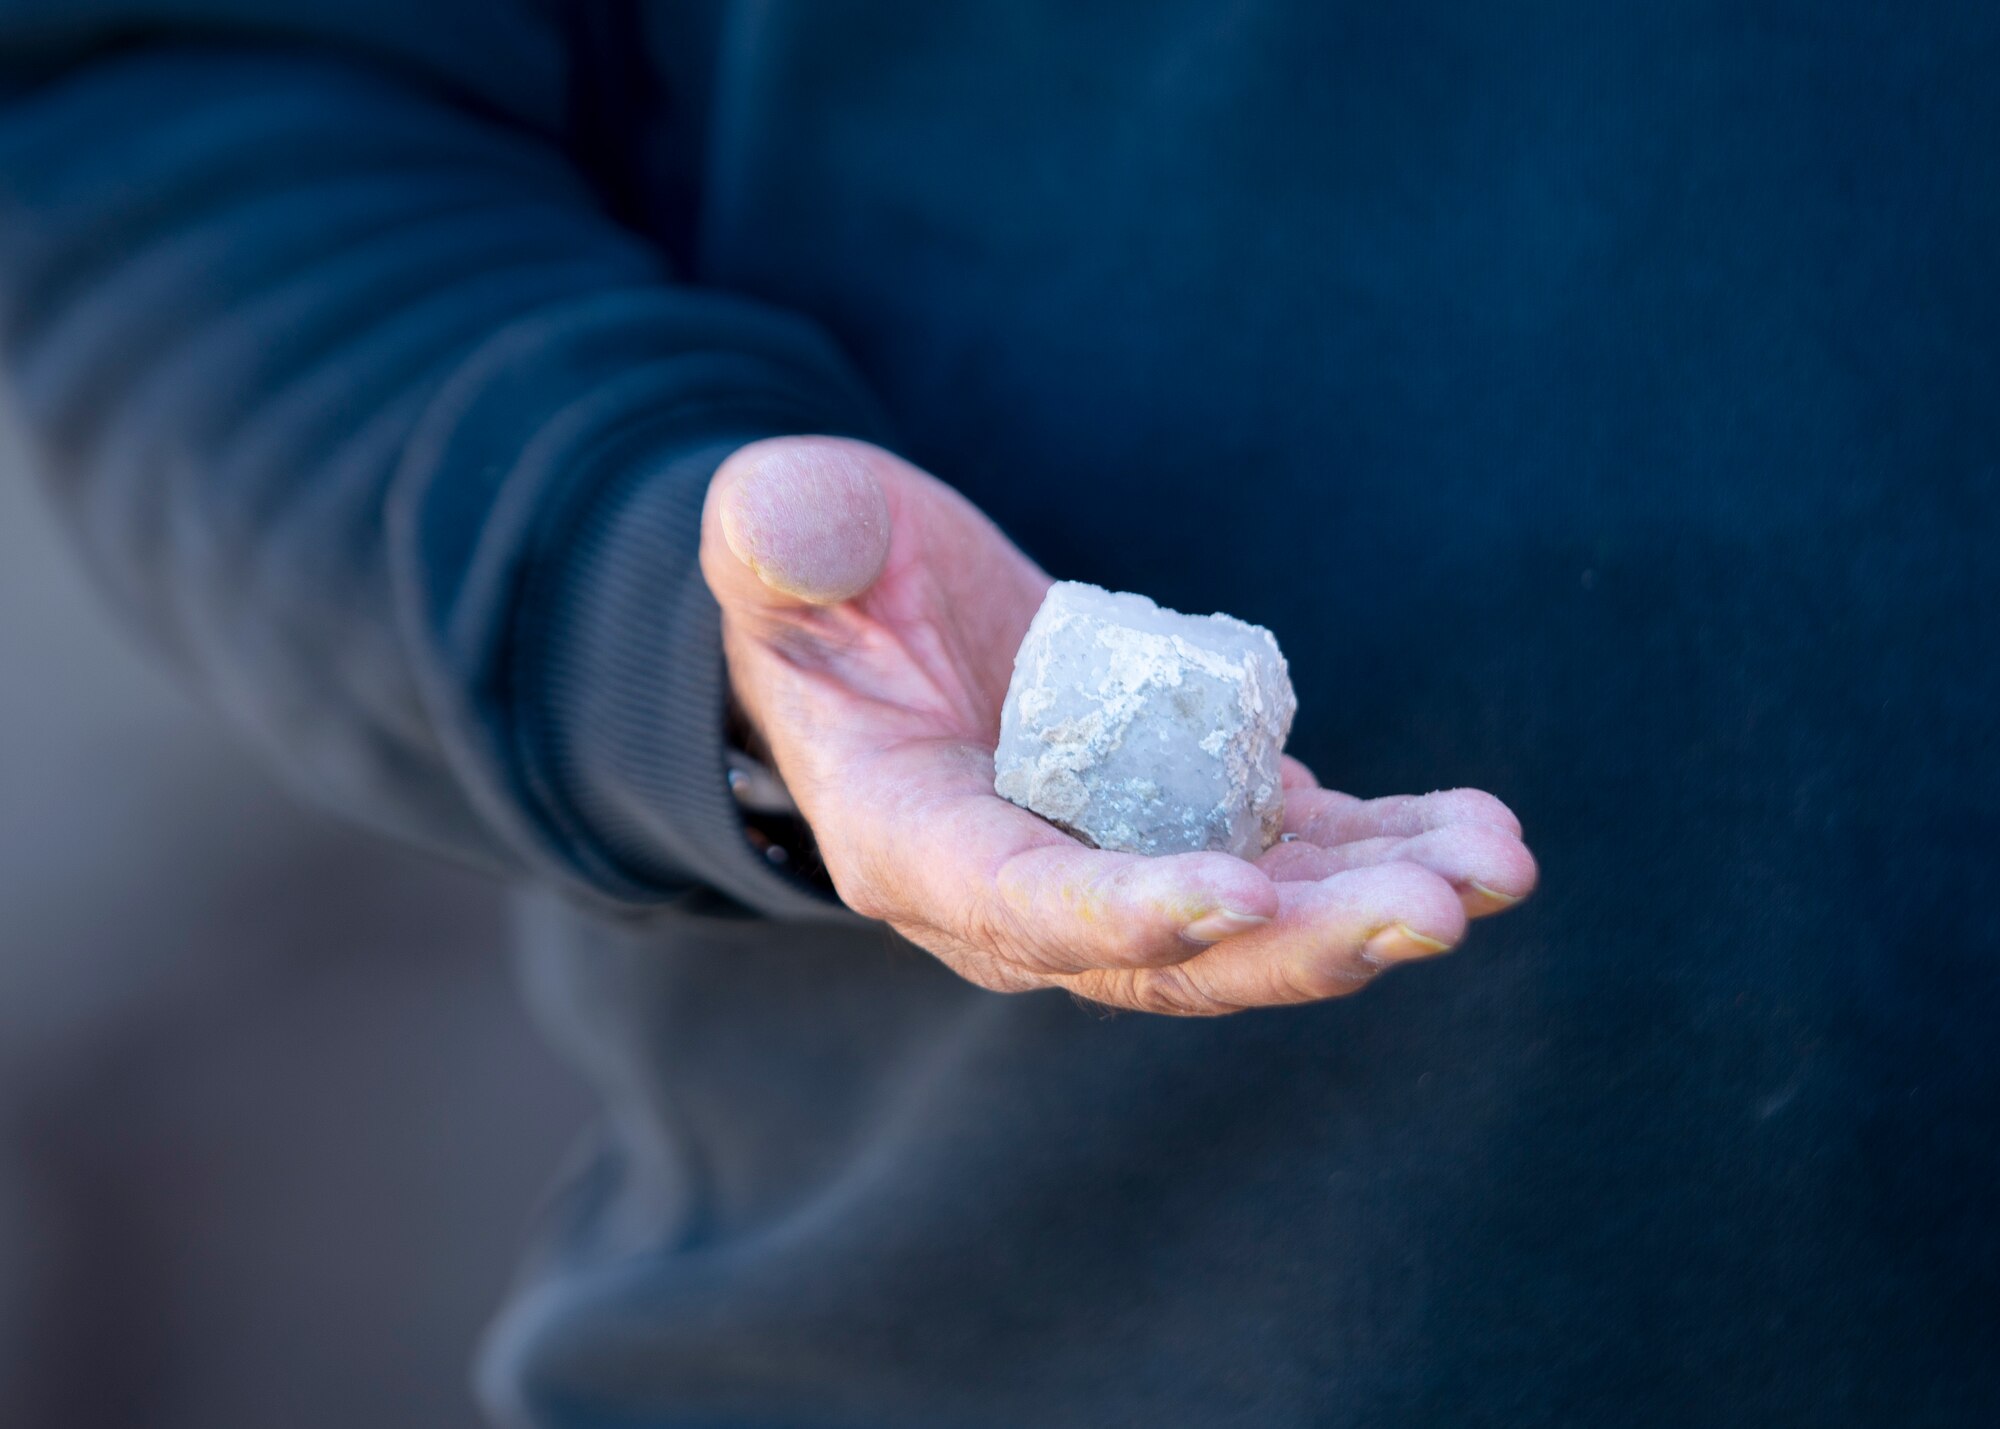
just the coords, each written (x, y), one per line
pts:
(374, 422)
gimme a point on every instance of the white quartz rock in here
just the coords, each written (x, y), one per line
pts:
(1145, 730)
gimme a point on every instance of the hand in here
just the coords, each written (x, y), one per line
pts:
(870, 619)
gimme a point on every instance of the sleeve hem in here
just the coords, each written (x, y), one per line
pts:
(621, 689)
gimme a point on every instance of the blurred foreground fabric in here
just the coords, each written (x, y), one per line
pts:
(272, 1122)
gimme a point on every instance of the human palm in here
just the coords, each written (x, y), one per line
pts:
(870, 620)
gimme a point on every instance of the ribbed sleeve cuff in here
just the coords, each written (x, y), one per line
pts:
(623, 693)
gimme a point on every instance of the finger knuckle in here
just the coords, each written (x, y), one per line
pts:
(1412, 887)
(1478, 806)
(1318, 979)
(993, 975)
(1175, 992)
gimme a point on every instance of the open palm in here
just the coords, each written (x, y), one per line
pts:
(870, 620)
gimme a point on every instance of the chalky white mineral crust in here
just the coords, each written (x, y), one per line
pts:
(1145, 730)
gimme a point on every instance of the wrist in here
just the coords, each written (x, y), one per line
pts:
(625, 698)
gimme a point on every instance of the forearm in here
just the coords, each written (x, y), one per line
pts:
(368, 415)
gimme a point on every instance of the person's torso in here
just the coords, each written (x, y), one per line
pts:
(1599, 404)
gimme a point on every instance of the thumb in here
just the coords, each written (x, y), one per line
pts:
(794, 521)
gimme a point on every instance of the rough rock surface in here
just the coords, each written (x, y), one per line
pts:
(1145, 730)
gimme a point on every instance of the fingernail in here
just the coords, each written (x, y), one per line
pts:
(1505, 900)
(1400, 943)
(1222, 923)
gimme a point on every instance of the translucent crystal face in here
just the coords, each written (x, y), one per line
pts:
(1145, 730)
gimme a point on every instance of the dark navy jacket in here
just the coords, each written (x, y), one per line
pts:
(1601, 402)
